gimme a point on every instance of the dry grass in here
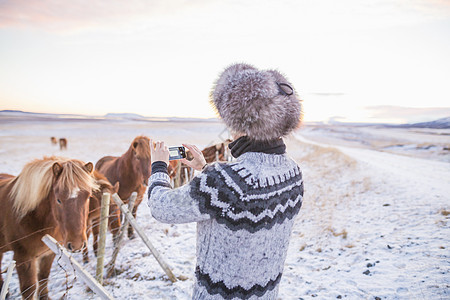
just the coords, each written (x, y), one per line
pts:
(343, 233)
(330, 154)
(330, 187)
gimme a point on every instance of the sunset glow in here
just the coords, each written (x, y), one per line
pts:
(359, 61)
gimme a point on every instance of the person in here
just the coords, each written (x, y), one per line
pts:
(244, 209)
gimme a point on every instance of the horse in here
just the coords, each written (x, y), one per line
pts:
(62, 143)
(217, 152)
(172, 168)
(140, 195)
(95, 203)
(5, 176)
(49, 196)
(131, 170)
(53, 140)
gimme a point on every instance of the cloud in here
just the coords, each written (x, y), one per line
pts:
(79, 15)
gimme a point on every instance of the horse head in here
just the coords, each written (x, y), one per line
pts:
(141, 157)
(104, 186)
(72, 186)
(96, 199)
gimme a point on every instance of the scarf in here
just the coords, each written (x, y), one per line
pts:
(245, 144)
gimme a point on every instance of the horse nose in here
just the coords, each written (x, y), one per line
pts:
(74, 247)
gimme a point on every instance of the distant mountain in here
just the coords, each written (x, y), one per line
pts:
(20, 112)
(14, 111)
(443, 123)
(124, 116)
(18, 115)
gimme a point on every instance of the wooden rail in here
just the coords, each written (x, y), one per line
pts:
(110, 267)
(7, 280)
(102, 236)
(144, 238)
(69, 261)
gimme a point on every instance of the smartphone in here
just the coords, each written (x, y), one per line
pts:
(178, 152)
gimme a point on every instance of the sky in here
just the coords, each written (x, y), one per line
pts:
(349, 60)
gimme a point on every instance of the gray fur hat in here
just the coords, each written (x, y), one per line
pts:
(259, 103)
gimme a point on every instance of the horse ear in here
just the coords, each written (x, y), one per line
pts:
(57, 169)
(89, 167)
(134, 145)
(116, 187)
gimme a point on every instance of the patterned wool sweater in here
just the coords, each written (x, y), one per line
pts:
(244, 211)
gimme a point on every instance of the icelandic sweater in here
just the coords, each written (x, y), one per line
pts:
(244, 211)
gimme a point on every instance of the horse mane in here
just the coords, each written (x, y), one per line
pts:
(34, 183)
(142, 146)
(100, 179)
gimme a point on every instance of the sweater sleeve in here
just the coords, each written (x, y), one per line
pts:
(172, 206)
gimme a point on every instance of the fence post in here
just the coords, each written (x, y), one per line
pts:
(144, 238)
(111, 265)
(177, 180)
(7, 279)
(70, 261)
(102, 236)
(186, 175)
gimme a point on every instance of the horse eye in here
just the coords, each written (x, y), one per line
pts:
(59, 201)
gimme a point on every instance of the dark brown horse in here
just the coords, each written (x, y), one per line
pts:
(140, 195)
(62, 143)
(49, 196)
(217, 152)
(95, 203)
(131, 170)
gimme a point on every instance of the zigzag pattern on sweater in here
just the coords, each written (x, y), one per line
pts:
(227, 197)
(220, 288)
(155, 184)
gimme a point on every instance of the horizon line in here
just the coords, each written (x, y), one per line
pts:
(138, 117)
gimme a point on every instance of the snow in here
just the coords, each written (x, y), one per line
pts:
(392, 210)
(374, 223)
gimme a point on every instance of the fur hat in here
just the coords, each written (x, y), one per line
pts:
(259, 103)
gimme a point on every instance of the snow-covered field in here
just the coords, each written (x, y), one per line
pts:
(374, 224)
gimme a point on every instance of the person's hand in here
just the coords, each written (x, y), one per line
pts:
(159, 152)
(198, 162)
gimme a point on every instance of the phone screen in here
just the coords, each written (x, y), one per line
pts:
(173, 152)
(177, 153)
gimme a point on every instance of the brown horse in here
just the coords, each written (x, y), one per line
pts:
(49, 196)
(62, 143)
(217, 152)
(53, 140)
(140, 195)
(95, 203)
(131, 170)
(5, 176)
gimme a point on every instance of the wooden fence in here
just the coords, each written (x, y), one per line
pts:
(110, 267)
(69, 261)
(7, 280)
(95, 284)
(144, 238)
(104, 215)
